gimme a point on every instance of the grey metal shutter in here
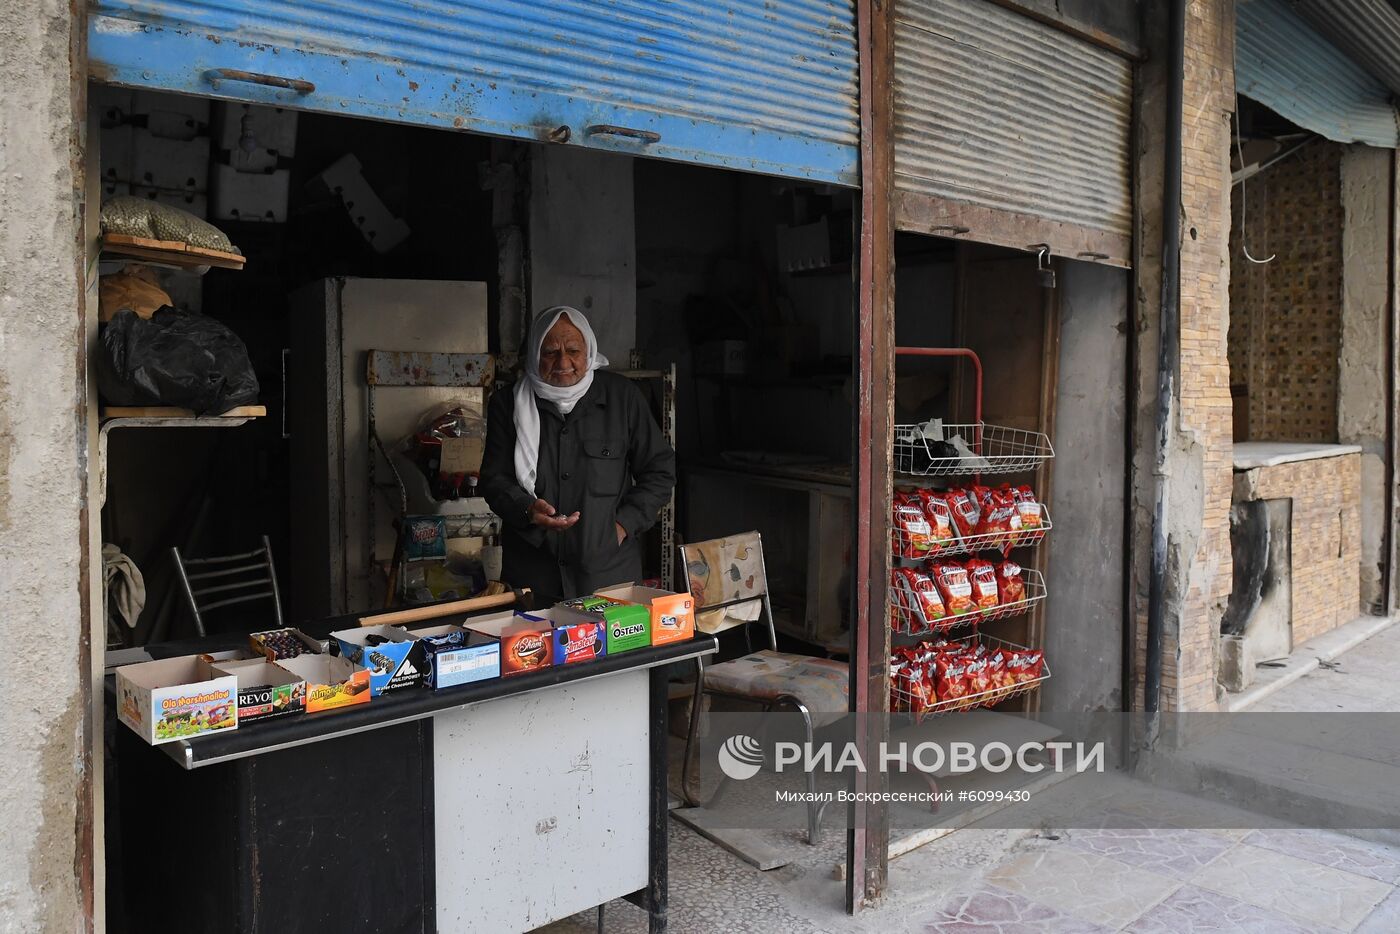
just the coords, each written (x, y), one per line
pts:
(1009, 131)
(763, 86)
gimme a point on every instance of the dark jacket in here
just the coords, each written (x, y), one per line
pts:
(607, 460)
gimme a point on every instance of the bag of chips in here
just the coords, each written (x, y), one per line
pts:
(965, 510)
(953, 587)
(940, 519)
(977, 676)
(1011, 586)
(1028, 507)
(1000, 519)
(912, 537)
(950, 678)
(917, 600)
(982, 575)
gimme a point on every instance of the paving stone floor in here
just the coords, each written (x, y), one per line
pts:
(1151, 865)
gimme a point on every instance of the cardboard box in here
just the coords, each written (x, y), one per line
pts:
(174, 698)
(527, 642)
(575, 639)
(331, 681)
(396, 663)
(264, 689)
(458, 656)
(672, 614)
(258, 641)
(628, 625)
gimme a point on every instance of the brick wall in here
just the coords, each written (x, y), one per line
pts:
(1325, 536)
(1285, 316)
(1200, 467)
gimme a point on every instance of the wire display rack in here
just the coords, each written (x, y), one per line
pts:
(905, 550)
(902, 701)
(996, 450)
(907, 618)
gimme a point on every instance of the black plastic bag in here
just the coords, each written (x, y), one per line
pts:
(177, 358)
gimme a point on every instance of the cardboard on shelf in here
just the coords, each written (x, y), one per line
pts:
(397, 662)
(175, 698)
(672, 614)
(527, 641)
(458, 656)
(265, 689)
(332, 682)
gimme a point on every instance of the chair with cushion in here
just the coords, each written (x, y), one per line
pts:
(730, 586)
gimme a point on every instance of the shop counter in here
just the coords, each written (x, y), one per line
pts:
(496, 806)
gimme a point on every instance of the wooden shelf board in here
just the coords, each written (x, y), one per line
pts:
(173, 412)
(170, 251)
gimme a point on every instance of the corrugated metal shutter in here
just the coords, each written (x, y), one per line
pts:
(1009, 131)
(1282, 63)
(762, 86)
(1367, 30)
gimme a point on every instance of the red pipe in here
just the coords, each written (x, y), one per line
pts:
(953, 352)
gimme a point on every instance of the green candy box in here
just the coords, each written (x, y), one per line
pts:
(627, 625)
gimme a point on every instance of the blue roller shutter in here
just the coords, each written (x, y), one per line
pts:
(760, 86)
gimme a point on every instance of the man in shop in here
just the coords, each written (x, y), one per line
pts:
(575, 465)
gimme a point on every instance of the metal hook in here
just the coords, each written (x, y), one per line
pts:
(1045, 273)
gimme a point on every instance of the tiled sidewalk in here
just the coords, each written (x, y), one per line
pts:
(1141, 863)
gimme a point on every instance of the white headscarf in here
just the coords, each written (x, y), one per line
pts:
(527, 412)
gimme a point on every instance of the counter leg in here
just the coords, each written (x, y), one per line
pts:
(658, 878)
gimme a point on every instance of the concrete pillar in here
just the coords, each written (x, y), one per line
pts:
(48, 770)
(1362, 390)
(1198, 468)
(583, 243)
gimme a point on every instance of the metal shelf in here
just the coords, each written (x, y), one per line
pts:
(114, 417)
(972, 544)
(907, 619)
(999, 450)
(981, 699)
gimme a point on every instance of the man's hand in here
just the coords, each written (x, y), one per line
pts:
(546, 517)
(621, 533)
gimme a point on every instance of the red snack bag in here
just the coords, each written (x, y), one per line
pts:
(966, 511)
(1026, 666)
(940, 518)
(911, 535)
(983, 577)
(1002, 679)
(1000, 518)
(1011, 586)
(953, 587)
(950, 678)
(1028, 507)
(977, 676)
(916, 600)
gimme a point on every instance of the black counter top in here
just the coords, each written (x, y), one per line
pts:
(410, 704)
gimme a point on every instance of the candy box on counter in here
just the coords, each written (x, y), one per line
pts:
(265, 689)
(175, 698)
(672, 614)
(394, 658)
(331, 681)
(278, 644)
(527, 642)
(575, 639)
(458, 656)
(628, 625)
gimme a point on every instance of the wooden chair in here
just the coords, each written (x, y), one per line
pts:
(233, 579)
(729, 582)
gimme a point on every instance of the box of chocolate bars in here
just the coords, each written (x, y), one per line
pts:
(264, 689)
(458, 656)
(394, 658)
(575, 639)
(331, 681)
(628, 625)
(527, 642)
(672, 614)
